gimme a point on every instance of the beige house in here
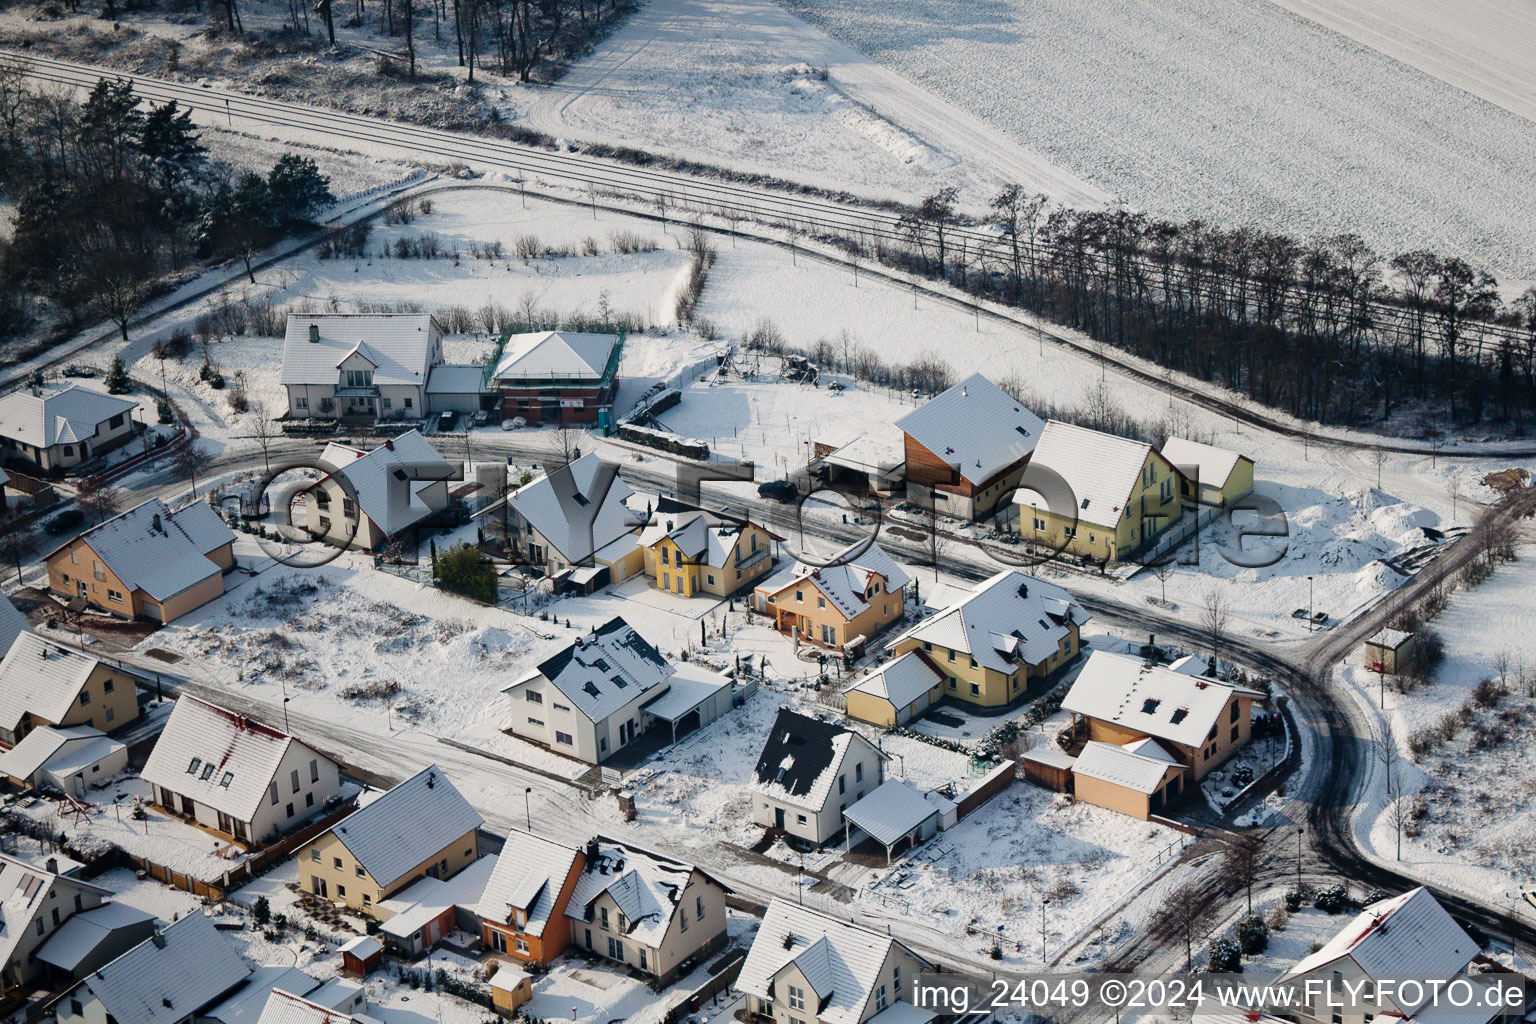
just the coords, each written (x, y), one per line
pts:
(360, 366)
(58, 429)
(1011, 629)
(38, 903)
(1197, 722)
(966, 449)
(148, 563)
(423, 828)
(809, 773)
(839, 605)
(45, 683)
(805, 966)
(233, 775)
(651, 913)
(691, 552)
(1207, 474)
(373, 498)
(1096, 495)
(896, 692)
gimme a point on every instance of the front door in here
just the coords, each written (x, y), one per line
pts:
(778, 817)
(188, 807)
(81, 585)
(317, 885)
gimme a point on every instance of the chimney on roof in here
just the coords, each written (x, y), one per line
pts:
(158, 938)
(154, 523)
(964, 391)
(592, 849)
(390, 445)
(314, 333)
(52, 864)
(1023, 589)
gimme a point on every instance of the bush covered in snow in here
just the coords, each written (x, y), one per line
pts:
(1252, 934)
(1331, 898)
(1226, 956)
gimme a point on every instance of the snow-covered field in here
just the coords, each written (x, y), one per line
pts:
(1240, 113)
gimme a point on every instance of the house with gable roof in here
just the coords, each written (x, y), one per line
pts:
(522, 909)
(44, 683)
(561, 377)
(1010, 629)
(236, 776)
(372, 498)
(1124, 494)
(360, 366)
(285, 1007)
(38, 904)
(146, 563)
(808, 773)
(648, 912)
(54, 429)
(1207, 474)
(691, 551)
(805, 965)
(841, 605)
(967, 447)
(422, 828)
(12, 624)
(66, 758)
(896, 692)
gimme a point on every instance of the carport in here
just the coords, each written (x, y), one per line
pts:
(695, 697)
(893, 812)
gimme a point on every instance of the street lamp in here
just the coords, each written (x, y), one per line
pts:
(1043, 901)
(285, 715)
(528, 807)
(1299, 832)
(1309, 604)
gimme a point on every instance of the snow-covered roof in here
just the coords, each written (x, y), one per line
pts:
(1407, 936)
(847, 580)
(24, 890)
(708, 538)
(1391, 639)
(975, 426)
(840, 961)
(12, 623)
(1101, 469)
(507, 978)
(171, 976)
(1150, 698)
(647, 888)
(64, 416)
(457, 379)
(557, 355)
(48, 745)
(1121, 766)
(217, 757)
(802, 758)
(1190, 665)
(528, 875)
(1010, 618)
(895, 809)
(399, 345)
(881, 454)
(690, 685)
(901, 681)
(287, 1008)
(1214, 464)
(407, 826)
(426, 899)
(160, 552)
(579, 508)
(1053, 757)
(363, 947)
(83, 933)
(389, 479)
(247, 1003)
(41, 677)
(603, 671)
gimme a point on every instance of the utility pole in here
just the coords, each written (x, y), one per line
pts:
(1299, 832)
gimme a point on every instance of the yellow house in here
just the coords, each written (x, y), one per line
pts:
(1209, 475)
(1140, 778)
(423, 828)
(148, 563)
(44, 683)
(1010, 629)
(1119, 494)
(1199, 721)
(897, 691)
(845, 602)
(691, 552)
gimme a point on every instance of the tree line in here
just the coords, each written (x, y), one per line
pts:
(113, 195)
(1326, 328)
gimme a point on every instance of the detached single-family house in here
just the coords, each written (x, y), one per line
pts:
(809, 773)
(38, 902)
(594, 696)
(68, 758)
(12, 624)
(966, 448)
(423, 828)
(359, 366)
(841, 605)
(806, 966)
(1119, 495)
(1010, 629)
(1207, 474)
(648, 912)
(45, 683)
(574, 524)
(147, 563)
(371, 499)
(690, 551)
(233, 775)
(897, 692)
(285, 1007)
(169, 978)
(56, 429)
(522, 908)
(1198, 721)
(248, 1003)
(560, 377)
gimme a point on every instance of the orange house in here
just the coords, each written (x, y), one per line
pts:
(838, 605)
(522, 911)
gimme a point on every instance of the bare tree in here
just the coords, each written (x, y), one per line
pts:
(1240, 863)
(95, 497)
(1184, 916)
(263, 429)
(564, 445)
(16, 540)
(1390, 758)
(1399, 813)
(1214, 615)
(1162, 571)
(189, 458)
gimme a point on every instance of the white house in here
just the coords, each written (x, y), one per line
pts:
(56, 429)
(366, 366)
(374, 497)
(807, 966)
(809, 773)
(37, 903)
(12, 624)
(66, 758)
(233, 774)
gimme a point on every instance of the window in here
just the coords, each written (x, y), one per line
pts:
(1039, 524)
(385, 402)
(111, 714)
(336, 862)
(100, 571)
(896, 979)
(293, 779)
(349, 508)
(301, 403)
(602, 913)
(289, 809)
(75, 1008)
(206, 773)
(325, 525)
(666, 557)
(799, 597)
(1234, 711)
(842, 783)
(359, 378)
(563, 737)
(644, 965)
(796, 998)
(536, 721)
(698, 907)
(682, 919)
(272, 791)
(443, 864)
(800, 819)
(498, 941)
(85, 698)
(1149, 705)
(341, 890)
(41, 926)
(359, 870)
(535, 697)
(521, 945)
(314, 855)
(107, 685)
(1234, 733)
(828, 634)
(975, 690)
(407, 403)
(821, 602)
(711, 578)
(615, 949)
(880, 999)
(227, 779)
(562, 707)
(666, 581)
(79, 902)
(314, 770)
(858, 773)
(951, 655)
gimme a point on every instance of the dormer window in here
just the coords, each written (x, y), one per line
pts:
(359, 378)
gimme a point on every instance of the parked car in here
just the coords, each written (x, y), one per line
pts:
(69, 519)
(445, 419)
(779, 490)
